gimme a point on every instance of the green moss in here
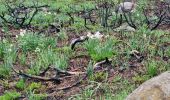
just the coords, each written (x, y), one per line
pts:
(10, 96)
(20, 84)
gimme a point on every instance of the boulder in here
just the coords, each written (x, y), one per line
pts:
(125, 27)
(157, 88)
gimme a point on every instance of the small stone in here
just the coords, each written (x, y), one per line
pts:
(125, 27)
(121, 69)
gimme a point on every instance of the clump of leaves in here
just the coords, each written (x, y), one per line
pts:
(10, 96)
(34, 86)
(20, 84)
(90, 69)
(152, 68)
(98, 77)
(22, 59)
(32, 90)
(104, 91)
(33, 96)
(100, 50)
(31, 41)
(46, 58)
(43, 19)
(139, 79)
(62, 35)
(4, 71)
(17, 13)
(8, 56)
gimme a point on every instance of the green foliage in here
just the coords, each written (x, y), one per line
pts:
(46, 58)
(35, 52)
(139, 79)
(99, 76)
(31, 41)
(103, 91)
(13, 95)
(22, 59)
(8, 56)
(32, 89)
(152, 68)
(33, 96)
(100, 50)
(7, 52)
(9, 14)
(43, 19)
(62, 35)
(33, 86)
(4, 71)
(90, 69)
(78, 25)
(20, 84)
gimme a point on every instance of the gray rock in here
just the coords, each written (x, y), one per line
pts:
(167, 1)
(157, 88)
(125, 27)
(125, 7)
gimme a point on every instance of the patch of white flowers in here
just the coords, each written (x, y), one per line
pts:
(138, 15)
(97, 35)
(48, 13)
(22, 32)
(10, 48)
(37, 49)
(4, 41)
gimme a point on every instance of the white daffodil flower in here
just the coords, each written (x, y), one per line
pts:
(22, 32)
(97, 35)
(4, 41)
(11, 45)
(37, 49)
(9, 49)
(16, 36)
(49, 13)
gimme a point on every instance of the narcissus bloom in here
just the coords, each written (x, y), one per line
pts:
(22, 32)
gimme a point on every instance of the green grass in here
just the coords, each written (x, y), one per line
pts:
(100, 50)
(32, 52)
(10, 96)
(118, 90)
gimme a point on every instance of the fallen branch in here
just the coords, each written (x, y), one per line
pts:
(130, 22)
(73, 85)
(77, 40)
(97, 65)
(5, 35)
(79, 81)
(56, 80)
(161, 18)
(60, 72)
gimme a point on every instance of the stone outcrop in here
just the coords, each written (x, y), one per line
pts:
(157, 88)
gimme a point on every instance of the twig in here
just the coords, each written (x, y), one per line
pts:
(5, 35)
(35, 12)
(67, 73)
(147, 20)
(129, 23)
(97, 65)
(59, 72)
(73, 85)
(79, 81)
(159, 22)
(77, 40)
(56, 80)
